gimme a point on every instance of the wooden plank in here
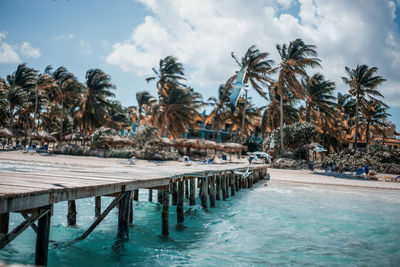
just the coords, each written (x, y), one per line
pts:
(192, 196)
(123, 216)
(165, 213)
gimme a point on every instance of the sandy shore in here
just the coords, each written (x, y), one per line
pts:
(331, 179)
(277, 175)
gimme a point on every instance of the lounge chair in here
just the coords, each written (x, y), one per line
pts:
(360, 172)
(186, 160)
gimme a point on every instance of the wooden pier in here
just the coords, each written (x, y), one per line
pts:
(33, 191)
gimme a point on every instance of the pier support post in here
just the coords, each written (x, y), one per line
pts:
(186, 189)
(236, 182)
(218, 187)
(97, 206)
(233, 183)
(150, 195)
(199, 185)
(223, 186)
(212, 190)
(71, 216)
(123, 216)
(42, 238)
(136, 195)
(159, 196)
(4, 222)
(165, 213)
(204, 195)
(130, 209)
(227, 184)
(192, 197)
(174, 194)
(179, 206)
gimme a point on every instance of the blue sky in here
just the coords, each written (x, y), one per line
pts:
(125, 38)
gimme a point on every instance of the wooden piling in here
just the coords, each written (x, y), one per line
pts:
(42, 238)
(223, 187)
(218, 187)
(136, 195)
(199, 185)
(174, 194)
(179, 206)
(187, 189)
(227, 184)
(159, 196)
(131, 210)
(165, 213)
(233, 183)
(204, 195)
(192, 197)
(4, 222)
(71, 216)
(97, 206)
(150, 195)
(123, 216)
(212, 190)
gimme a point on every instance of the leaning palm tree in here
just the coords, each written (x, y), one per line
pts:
(170, 74)
(258, 71)
(3, 102)
(270, 117)
(176, 112)
(363, 86)
(220, 113)
(67, 88)
(144, 100)
(19, 84)
(95, 101)
(375, 115)
(319, 98)
(295, 58)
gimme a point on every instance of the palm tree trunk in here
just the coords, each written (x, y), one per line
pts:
(281, 126)
(308, 115)
(243, 118)
(355, 137)
(11, 118)
(62, 119)
(34, 117)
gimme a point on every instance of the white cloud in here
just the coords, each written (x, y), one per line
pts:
(64, 36)
(7, 52)
(85, 48)
(28, 51)
(202, 33)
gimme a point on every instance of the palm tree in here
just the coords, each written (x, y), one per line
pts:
(43, 82)
(145, 100)
(169, 75)
(319, 98)
(176, 112)
(94, 104)
(271, 116)
(220, 113)
(376, 115)
(363, 86)
(67, 88)
(3, 102)
(19, 84)
(295, 58)
(259, 67)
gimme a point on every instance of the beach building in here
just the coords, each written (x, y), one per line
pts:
(389, 136)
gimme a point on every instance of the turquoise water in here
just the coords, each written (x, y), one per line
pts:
(281, 224)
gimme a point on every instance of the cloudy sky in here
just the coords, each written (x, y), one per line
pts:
(126, 38)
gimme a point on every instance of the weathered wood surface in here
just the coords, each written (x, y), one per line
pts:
(33, 186)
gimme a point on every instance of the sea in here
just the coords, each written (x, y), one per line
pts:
(274, 224)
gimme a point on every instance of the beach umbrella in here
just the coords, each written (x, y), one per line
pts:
(18, 133)
(5, 132)
(43, 136)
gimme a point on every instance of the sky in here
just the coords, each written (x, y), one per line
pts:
(127, 38)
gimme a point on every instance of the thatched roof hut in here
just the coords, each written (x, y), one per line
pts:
(43, 136)
(5, 132)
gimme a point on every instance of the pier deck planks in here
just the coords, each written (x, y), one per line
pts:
(39, 185)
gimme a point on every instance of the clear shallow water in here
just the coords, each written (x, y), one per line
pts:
(281, 224)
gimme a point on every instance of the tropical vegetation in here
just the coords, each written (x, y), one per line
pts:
(301, 106)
